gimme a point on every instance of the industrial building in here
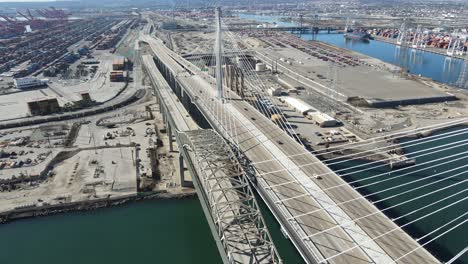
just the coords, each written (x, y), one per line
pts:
(44, 106)
(119, 64)
(275, 91)
(322, 119)
(299, 105)
(27, 82)
(118, 76)
(85, 97)
(259, 67)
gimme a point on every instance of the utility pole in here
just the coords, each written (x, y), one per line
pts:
(218, 53)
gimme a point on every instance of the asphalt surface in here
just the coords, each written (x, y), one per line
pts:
(334, 236)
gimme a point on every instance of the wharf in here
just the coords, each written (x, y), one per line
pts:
(89, 205)
(434, 50)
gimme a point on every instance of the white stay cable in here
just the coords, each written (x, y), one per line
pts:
(449, 146)
(346, 184)
(382, 138)
(258, 83)
(283, 122)
(457, 256)
(376, 151)
(391, 188)
(378, 161)
(438, 236)
(392, 230)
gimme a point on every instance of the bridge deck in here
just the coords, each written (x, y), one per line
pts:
(258, 138)
(230, 201)
(180, 116)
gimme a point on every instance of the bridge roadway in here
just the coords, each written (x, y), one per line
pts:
(221, 184)
(325, 235)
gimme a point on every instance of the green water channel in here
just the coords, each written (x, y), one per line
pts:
(162, 231)
(175, 231)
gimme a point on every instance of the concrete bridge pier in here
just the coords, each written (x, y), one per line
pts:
(169, 135)
(173, 83)
(183, 182)
(178, 89)
(160, 105)
(163, 113)
(182, 97)
(181, 168)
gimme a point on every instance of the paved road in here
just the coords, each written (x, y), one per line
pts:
(335, 237)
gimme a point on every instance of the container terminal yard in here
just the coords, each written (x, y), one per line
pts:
(82, 72)
(162, 104)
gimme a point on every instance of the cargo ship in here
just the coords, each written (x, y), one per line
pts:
(358, 35)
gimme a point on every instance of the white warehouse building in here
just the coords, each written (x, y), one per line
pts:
(28, 82)
(275, 91)
(322, 119)
(300, 106)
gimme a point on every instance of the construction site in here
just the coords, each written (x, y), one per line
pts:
(84, 70)
(108, 158)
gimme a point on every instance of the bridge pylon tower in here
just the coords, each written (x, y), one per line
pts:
(219, 54)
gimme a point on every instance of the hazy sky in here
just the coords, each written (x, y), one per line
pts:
(27, 0)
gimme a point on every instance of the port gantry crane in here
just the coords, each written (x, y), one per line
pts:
(402, 34)
(455, 46)
(419, 40)
(33, 22)
(12, 26)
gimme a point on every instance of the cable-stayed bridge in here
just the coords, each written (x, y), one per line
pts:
(327, 219)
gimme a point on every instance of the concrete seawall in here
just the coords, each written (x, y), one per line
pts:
(22, 213)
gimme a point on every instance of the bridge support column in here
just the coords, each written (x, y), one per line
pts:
(174, 83)
(181, 169)
(163, 113)
(169, 135)
(183, 182)
(160, 105)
